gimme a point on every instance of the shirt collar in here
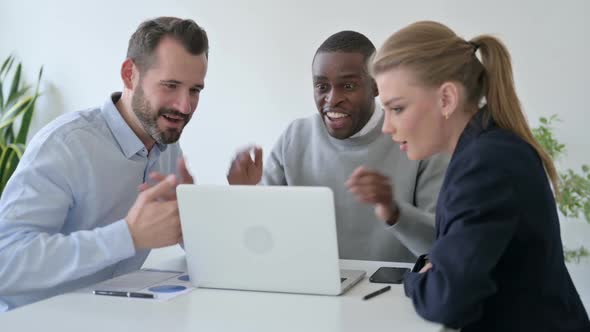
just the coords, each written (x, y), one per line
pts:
(371, 124)
(128, 141)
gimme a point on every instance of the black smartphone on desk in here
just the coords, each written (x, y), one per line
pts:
(389, 275)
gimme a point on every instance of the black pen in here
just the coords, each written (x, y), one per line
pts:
(375, 293)
(124, 294)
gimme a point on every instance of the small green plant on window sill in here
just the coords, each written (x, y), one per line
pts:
(574, 199)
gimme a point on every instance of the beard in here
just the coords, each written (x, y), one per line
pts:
(148, 117)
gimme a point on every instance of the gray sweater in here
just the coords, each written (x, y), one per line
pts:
(306, 155)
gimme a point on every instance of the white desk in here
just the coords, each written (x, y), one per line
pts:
(225, 310)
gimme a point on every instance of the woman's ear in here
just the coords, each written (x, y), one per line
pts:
(448, 94)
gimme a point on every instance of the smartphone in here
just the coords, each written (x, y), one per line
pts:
(389, 275)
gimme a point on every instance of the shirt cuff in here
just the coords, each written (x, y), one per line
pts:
(411, 229)
(400, 215)
(406, 211)
(118, 238)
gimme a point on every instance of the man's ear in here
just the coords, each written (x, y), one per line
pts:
(128, 73)
(374, 88)
(448, 95)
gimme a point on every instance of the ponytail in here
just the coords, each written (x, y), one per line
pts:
(502, 101)
(437, 55)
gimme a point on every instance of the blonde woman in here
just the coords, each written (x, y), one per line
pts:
(497, 263)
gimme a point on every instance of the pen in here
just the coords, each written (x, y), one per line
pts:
(124, 294)
(375, 293)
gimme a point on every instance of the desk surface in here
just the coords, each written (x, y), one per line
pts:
(226, 310)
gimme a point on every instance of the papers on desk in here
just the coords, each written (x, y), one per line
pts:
(163, 284)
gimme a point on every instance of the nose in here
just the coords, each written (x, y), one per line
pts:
(183, 102)
(388, 127)
(334, 97)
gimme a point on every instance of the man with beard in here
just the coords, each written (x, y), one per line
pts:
(384, 202)
(72, 215)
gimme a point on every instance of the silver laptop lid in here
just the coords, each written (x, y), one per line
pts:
(265, 238)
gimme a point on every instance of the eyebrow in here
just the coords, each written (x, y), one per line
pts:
(200, 86)
(391, 101)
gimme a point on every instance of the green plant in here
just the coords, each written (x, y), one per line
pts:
(574, 187)
(574, 255)
(16, 103)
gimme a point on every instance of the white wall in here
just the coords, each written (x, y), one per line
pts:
(259, 75)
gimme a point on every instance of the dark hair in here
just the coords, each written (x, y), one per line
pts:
(146, 38)
(348, 42)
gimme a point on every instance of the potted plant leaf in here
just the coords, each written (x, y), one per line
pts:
(17, 106)
(574, 198)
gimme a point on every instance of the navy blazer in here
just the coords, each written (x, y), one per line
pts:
(498, 260)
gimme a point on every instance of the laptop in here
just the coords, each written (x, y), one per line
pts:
(262, 238)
